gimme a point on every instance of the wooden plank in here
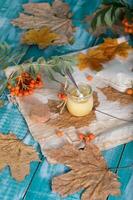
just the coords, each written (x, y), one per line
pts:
(40, 186)
(11, 189)
(126, 174)
(11, 120)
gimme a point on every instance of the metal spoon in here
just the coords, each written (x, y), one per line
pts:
(74, 82)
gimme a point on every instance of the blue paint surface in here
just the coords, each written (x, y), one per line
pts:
(37, 185)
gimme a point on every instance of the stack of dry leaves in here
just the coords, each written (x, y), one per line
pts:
(46, 24)
(16, 155)
(94, 58)
(88, 171)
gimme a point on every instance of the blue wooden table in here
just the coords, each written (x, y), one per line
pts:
(37, 185)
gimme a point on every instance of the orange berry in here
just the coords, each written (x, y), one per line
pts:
(91, 136)
(129, 91)
(89, 78)
(30, 91)
(16, 92)
(20, 94)
(130, 30)
(81, 136)
(130, 25)
(65, 97)
(123, 21)
(126, 23)
(32, 85)
(17, 88)
(26, 93)
(33, 81)
(40, 84)
(59, 95)
(12, 93)
(126, 30)
(12, 89)
(38, 76)
(62, 96)
(36, 84)
(59, 133)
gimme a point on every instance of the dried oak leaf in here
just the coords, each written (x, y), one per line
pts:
(41, 15)
(111, 48)
(115, 95)
(94, 58)
(16, 155)
(67, 120)
(88, 171)
(42, 37)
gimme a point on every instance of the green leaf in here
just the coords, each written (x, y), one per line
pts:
(9, 56)
(3, 87)
(50, 75)
(99, 18)
(112, 12)
(104, 15)
(95, 20)
(118, 3)
(58, 64)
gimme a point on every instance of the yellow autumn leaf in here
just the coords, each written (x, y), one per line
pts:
(43, 37)
(122, 49)
(94, 58)
(111, 48)
(108, 42)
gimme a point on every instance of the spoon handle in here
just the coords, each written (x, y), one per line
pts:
(71, 78)
(73, 81)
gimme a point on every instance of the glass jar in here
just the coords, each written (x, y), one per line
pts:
(80, 106)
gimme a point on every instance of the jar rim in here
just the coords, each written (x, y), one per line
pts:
(77, 97)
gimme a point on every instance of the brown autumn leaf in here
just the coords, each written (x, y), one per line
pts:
(122, 49)
(16, 155)
(95, 58)
(114, 95)
(111, 48)
(42, 15)
(89, 171)
(42, 37)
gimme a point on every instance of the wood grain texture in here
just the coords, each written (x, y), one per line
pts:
(36, 186)
(126, 175)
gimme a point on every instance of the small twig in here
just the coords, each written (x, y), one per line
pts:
(63, 106)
